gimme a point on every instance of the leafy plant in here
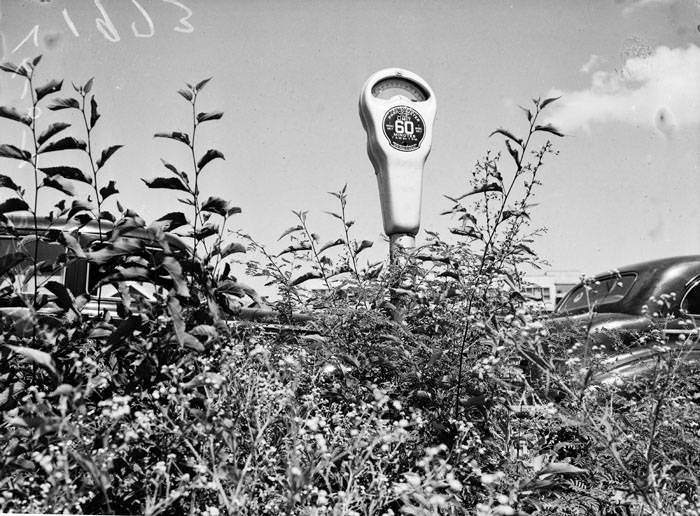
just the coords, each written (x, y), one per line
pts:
(53, 177)
(171, 403)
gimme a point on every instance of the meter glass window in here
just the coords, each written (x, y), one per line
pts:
(396, 86)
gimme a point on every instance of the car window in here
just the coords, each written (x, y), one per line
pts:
(608, 289)
(691, 300)
(48, 254)
(109, 291)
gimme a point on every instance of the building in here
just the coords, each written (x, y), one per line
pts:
(547, 289)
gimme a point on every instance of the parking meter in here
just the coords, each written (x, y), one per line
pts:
(397, 109)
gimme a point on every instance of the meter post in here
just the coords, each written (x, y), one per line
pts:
(397, 110)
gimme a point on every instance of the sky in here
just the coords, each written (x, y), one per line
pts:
(287, 75)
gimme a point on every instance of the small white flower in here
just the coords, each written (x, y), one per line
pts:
(489, 478)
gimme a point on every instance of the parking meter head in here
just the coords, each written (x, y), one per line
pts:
(397, 110)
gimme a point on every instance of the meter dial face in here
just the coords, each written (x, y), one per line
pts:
(404, 128)
(387, 89)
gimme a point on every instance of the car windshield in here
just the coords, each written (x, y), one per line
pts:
(603, 290)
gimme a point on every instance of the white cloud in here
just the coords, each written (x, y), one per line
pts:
(593, 62)
(660, 90)
(644, 3)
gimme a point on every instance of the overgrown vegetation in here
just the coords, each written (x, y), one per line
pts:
(170, 403)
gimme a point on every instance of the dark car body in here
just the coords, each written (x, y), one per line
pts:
(77, 275)
(619, 306)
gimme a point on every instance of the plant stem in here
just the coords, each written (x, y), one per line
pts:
(35, 159)
(195, 193)
(88, 131)
(98, 200)
(347, 241)
(492, 233)
(315, 253)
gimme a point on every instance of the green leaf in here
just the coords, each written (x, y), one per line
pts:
(9, 261)
(181, 137)
(513, 152)
(468, 216)
(205, 117)
(289, 231)
(108, 190)
(328, 245)
(231, 248)
(365, 244)
(490, 187)
(305, 277)
(7, 182)
(13, 68)
(207, 230)
(128, 273)
(466, 231)
(233, 211)
(10, 151)
(39, 357)
(561, 468)
(77, 207)
(173, 169)
(547, 102)
(105, 215)
(122, 246)
(94, 115)
(513, 213)
(83, 218)
(175, 270)
(188, 96)
(549, 128)
(72, 173)
(507, 134)
(216, 205)
(525, 249)
(64, 299)
(206, 331)
(50, 87)
(201, 84)
(170, 183)
(455, 209)
(106, 154)
(67, 143)
(13, 204)
(12, 114)
(53, 129)
(174, 219)
(528, 113)
(88, 85)
(295, 248)
(449, 274)
(67, 103)
(184, 338)
(60, 184)
(210, 155)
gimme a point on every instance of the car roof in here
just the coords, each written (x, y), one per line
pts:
(654, 278)
(24, 224)
(657, 277)
(682, 262)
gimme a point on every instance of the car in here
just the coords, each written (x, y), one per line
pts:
(77, 275)
(618, 307)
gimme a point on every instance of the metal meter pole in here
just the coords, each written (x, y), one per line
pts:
(399, 245)
(397, 109)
